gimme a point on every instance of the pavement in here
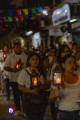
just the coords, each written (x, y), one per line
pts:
(6, 109)
(8, 106)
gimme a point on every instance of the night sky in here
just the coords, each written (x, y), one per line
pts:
(5, 4)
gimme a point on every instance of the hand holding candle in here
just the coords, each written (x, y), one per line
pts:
(18, 65)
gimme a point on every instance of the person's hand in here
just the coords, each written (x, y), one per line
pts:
(15, 70)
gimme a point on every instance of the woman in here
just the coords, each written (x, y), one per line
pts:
(69, 105)
(62, 51)
(45, 71)
(33, 97)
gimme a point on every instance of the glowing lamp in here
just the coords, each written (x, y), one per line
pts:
(18, 65)
(35, 79)
(57, 79)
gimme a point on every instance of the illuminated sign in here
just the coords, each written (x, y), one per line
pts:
(61, 15)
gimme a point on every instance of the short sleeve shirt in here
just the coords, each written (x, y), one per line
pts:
(11, 61)
(24, 78)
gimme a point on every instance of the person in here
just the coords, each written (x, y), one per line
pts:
(62, 51)
(77, 55)
(5, 80)
(51, 52)
(33, 95)
(74, 48)
(45, 70)
(69, 108)
(15, 59)
(5, 74)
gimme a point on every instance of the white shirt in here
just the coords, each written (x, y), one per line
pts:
(11, 61)
(24, 78)
(2, 66)
(1, 56)
(52, 69)
(69, 101)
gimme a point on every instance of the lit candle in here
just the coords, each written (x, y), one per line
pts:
(57, 78)
(18, 66)
(57, 81)
(35, 81)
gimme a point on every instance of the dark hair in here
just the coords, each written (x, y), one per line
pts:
(66, 57)
(43, 58)
(60, 50)
(77, 53)
(74, 44)
(48, 50)
(16, 41)
(41, 66)
(30, 55)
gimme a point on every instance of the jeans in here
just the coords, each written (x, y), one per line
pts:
(34, 111)
(54, 110)
(7, 87)
(69, 115)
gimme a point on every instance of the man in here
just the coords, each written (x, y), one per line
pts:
(14, 63)
(3, 56)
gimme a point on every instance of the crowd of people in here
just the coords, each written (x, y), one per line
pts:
(31, 76)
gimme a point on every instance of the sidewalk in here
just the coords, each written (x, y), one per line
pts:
(5, 105)
(4, 109)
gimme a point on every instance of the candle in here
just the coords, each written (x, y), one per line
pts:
(18, 66)
(35, 82)
(34, 79)
(57, 78)
(57, 81)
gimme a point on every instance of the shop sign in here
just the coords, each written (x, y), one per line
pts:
(61, 15)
